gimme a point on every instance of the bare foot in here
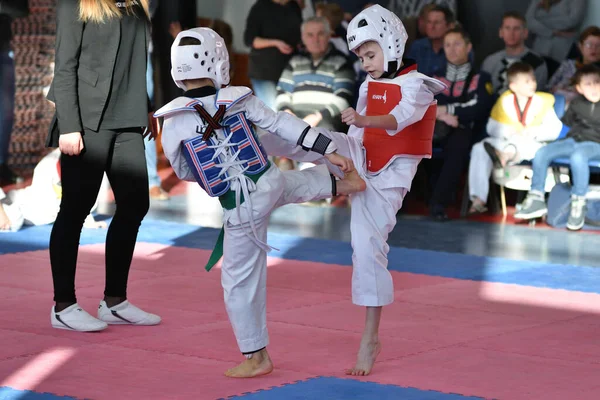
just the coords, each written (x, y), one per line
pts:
(259, 364)
(367, 354)
(352, 183)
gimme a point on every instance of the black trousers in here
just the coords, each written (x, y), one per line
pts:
(456, 149)
(121, 155)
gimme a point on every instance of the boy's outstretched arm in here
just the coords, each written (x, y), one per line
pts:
(351, 117)
(287, 126)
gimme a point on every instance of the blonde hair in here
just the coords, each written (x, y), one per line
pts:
(102, 10)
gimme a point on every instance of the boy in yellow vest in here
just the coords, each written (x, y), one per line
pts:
(521, 121)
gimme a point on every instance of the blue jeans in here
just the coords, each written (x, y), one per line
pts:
(265, 91)
(579, 153)
(7, 102)
(150, 145)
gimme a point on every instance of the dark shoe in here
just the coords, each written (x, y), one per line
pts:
(493, 155)
(533, 207)
(438, 213)
(8, 176)
(577, 216)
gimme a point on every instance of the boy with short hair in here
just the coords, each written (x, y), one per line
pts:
(581, 145)
(208, 137)
(521, 121)
(513, 32)
(389, 135)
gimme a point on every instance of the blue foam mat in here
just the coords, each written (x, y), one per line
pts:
(347, 389)
(427, 262)
(7, 393)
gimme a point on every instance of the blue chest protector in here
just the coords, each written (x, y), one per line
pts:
(206, 158)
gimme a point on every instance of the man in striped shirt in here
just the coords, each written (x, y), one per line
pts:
(317, 84)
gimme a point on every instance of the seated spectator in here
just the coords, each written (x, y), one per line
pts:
(335, 15)
(463, 106)
(513, 32)
(581, 145)
(37, 204)
(428, 52)
(521, 121)
(318, 84)
(555, 24)
(422, 21)
(589, 47)
(414, 13)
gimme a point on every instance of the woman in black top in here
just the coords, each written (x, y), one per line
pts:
(99, 90)
(273, 33)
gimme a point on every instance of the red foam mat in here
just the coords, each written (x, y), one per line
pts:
(475, 338)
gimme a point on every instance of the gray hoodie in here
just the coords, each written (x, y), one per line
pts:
(566, 15)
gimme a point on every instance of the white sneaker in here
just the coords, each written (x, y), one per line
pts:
(126, 313)
(75, 318)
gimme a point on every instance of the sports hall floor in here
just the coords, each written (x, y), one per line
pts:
(483, 310)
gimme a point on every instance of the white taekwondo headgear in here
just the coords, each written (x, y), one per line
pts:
(209, 59)
(380, 25)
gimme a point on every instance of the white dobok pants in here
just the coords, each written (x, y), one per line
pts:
(373, 215)
(244, 266)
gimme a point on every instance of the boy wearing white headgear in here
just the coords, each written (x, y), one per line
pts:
(388, 136)
(208, 136)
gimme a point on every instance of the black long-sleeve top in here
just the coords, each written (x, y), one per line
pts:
(470, 104)
(270, 20)
(583, 119)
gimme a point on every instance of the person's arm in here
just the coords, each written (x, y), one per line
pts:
(253, 25)
(570, 117)
(571, 19)
(69, 32)
(548, 130)
(416, 99)
(534, 25)
(287, 126)
(253, 35)
(499, 130)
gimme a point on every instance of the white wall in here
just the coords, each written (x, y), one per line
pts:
(234, 12)
(210, 8)
(592, 16)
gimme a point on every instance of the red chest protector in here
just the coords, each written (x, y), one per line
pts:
(414, 140)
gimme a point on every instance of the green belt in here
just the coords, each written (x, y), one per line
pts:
(228, 202)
